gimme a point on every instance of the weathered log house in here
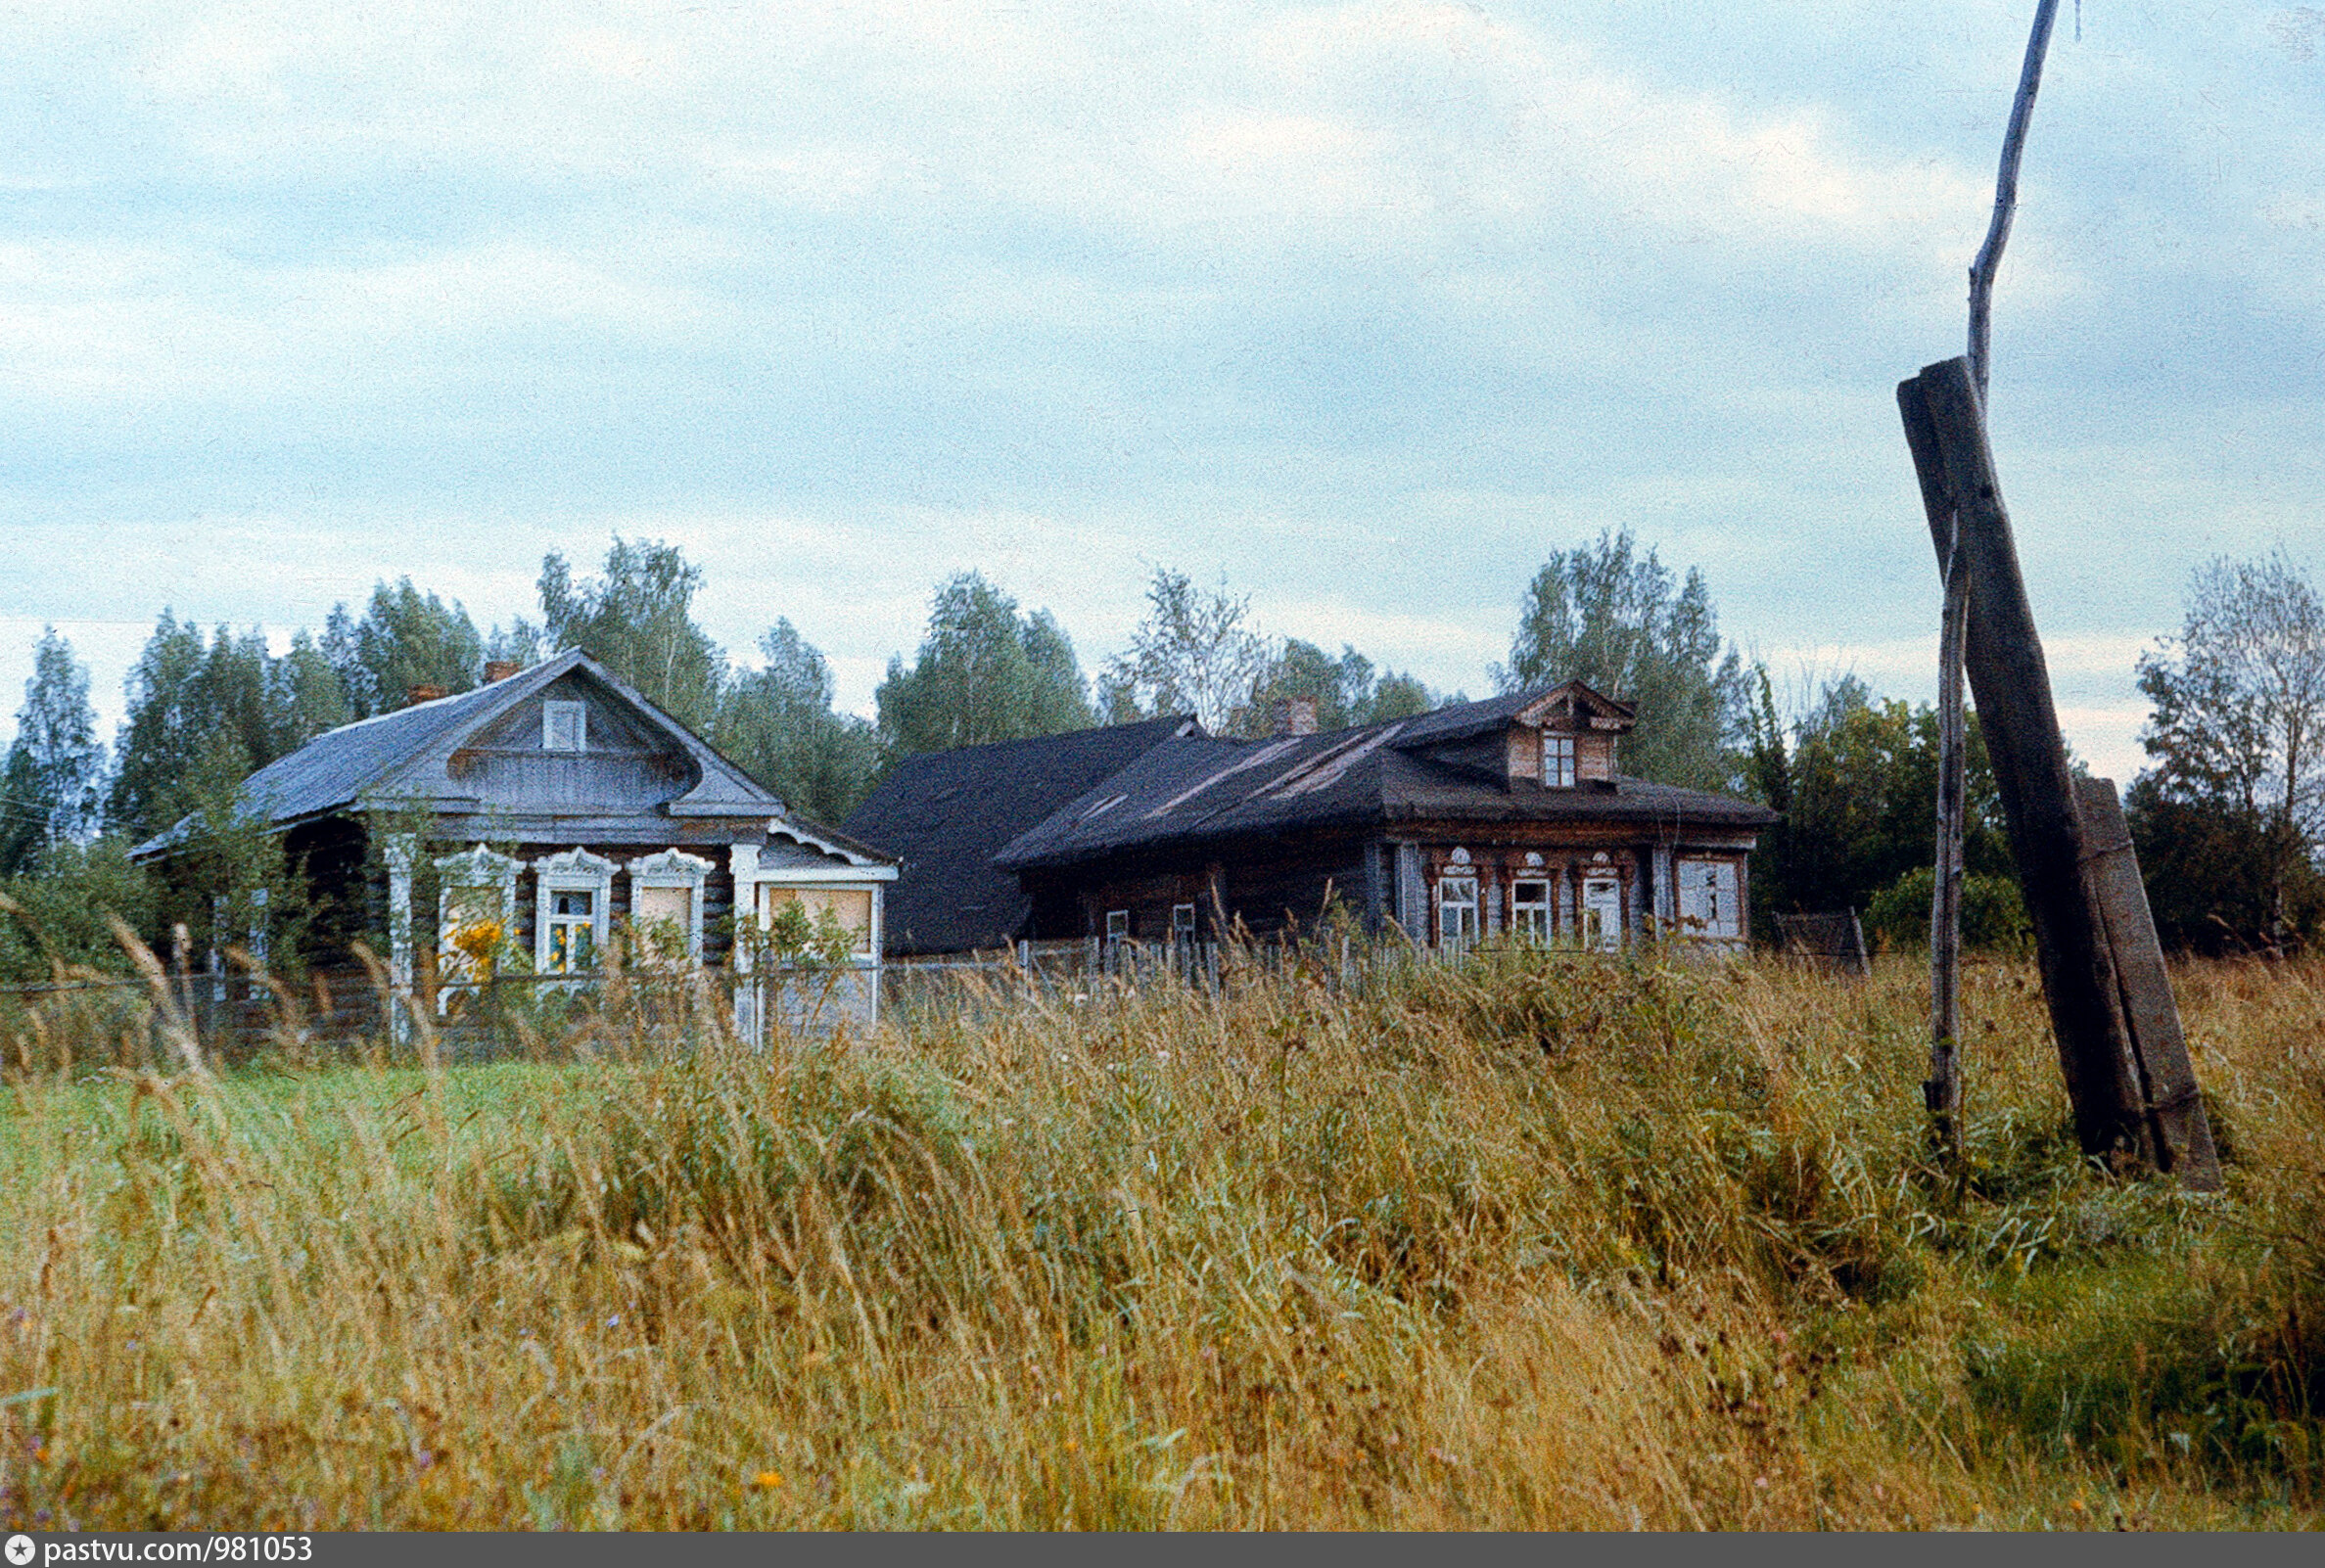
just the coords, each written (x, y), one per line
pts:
(1499, 818)
(550, 804)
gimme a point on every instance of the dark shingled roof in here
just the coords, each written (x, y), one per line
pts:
(1203, 788)
(947, 813)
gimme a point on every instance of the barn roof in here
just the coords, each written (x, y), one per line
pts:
(947, 813)
(1205, 788)
(401, 758)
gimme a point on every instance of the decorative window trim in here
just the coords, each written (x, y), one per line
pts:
(1460, 876)
(472, 868)
(552, 712)
(477, 867)
(1609, 937)
(674, 868)
(1533, 919)
(575, 870)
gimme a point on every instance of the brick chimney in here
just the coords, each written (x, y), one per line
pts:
(500, 669)
(1295, 716)
(423, 694)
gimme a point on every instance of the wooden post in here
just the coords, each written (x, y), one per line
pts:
(1942, 1092)
(1945, 427)
(2167, 1076)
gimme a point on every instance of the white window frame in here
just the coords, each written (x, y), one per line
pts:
(1468, 909)
(1530, 918)
(674, 868)
(750, 877)
(1559, 760)
(1118, 926)
(552, 712)
(575, 870)
(1605, 933)
(763, 899)
(472, 870)
(1183, 923)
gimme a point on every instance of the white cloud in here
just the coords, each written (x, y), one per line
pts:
(1370, 304)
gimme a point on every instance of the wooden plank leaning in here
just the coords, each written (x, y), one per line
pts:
(2167, 1074)
(2010, 681)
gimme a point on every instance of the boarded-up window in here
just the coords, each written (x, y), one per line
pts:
(663, 918)
(565, 726)
(851, 907)
(1707, 901)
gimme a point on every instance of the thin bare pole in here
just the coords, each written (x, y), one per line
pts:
(1943, 1091)
(2005, 192)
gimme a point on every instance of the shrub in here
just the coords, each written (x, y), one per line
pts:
(1993, 915)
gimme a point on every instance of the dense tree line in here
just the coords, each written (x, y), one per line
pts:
(1856, 778)
(2227, 820)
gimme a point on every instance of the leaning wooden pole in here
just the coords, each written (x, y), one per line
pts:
(1945, 426)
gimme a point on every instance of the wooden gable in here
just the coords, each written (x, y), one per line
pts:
(524, 760)
(1594, 721)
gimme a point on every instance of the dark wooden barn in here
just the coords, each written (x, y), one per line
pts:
(947, 814)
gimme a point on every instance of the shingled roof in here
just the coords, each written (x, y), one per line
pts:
(947, 813)
(1203, 788)
(400, 758)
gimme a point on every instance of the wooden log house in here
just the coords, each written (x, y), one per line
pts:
(1505, 819)
(550, 804)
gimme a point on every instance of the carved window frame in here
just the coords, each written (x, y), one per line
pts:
(574, 870)
(473, 869)
(674, 868)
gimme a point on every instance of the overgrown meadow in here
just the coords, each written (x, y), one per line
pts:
(1538, 1241)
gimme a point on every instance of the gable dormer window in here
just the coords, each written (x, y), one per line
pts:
(565, 726)
(1558, 762)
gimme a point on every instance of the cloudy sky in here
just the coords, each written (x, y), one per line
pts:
(1368, 307)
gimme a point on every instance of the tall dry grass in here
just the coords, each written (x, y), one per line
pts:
(1538, 1242)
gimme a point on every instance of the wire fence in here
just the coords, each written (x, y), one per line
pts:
(358, 1012)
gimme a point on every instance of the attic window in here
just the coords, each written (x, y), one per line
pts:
(565, 726)
(1558, 762)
